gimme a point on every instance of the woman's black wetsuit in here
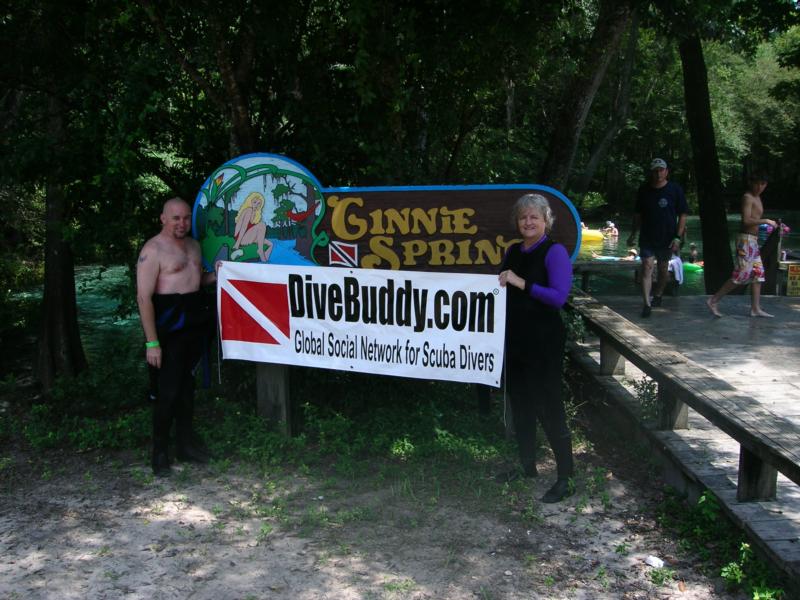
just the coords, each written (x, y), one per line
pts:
(535, 338)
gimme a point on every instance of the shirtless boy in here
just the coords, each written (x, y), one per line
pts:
(176, 322)
(749, 267)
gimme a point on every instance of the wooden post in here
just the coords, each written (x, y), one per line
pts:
(611, 361)
(757, 479)
(272, 393)
(770, 257)
(585, 281)
(672, 413)
(508, 416)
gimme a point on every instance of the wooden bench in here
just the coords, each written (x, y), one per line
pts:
(768, 442)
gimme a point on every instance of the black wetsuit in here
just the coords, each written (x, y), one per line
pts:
(184, 323)
(535, 338)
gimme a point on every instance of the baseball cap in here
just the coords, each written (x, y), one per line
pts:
(658, 163)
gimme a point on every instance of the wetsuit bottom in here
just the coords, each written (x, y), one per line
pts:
(174, 402)
(534, 382)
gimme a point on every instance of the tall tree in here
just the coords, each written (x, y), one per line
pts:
(60, 352)
(689, 22)
(216, 55)
(613, 18)
(43, 66)
(620, 107)
(713, 216)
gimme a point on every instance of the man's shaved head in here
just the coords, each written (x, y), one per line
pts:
(176, 218)
(173, 202)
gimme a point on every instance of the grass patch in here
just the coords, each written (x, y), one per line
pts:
(705, 532)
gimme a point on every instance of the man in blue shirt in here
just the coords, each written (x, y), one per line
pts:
(660, 214)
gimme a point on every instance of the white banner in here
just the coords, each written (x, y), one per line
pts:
(445, 326)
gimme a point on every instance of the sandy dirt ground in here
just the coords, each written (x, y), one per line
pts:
(100, 526)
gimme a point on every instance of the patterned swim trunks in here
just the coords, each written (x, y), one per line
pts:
(748, 260)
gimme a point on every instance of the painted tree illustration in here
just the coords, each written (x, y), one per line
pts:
(281, 218)
(226, 212)
(214, 216)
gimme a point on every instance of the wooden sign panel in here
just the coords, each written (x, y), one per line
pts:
(269, 209)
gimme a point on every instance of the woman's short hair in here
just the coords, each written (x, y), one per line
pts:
(538, 202)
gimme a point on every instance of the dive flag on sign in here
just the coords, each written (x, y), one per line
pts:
(253, 311)
(340, 253)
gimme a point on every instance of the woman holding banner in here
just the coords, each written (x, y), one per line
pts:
(538, 275)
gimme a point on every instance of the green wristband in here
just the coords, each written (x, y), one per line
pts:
(153, 344)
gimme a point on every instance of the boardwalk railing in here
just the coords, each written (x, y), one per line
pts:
(767, 442)
(587, 268)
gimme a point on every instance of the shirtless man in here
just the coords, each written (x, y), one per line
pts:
(749, 267)
(610, 229)
(176, 320)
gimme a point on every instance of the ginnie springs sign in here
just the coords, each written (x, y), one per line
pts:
(418, 296)
(268, 208)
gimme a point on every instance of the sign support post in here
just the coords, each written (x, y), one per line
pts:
(272, 394)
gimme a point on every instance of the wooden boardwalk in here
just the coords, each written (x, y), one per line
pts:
(761, 359)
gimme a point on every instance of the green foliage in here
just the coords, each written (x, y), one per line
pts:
(231, 428)
(592, 201)
(646, 391)
(19, 317)
(754, 124)
(47, 427)
(710, 536)
(110, 385)
(41, 430)
(661, 575)
(749, 573)
(407, 420)
(21, 266)
(576, 327)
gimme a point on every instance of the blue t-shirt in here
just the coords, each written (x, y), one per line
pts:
(659, 209)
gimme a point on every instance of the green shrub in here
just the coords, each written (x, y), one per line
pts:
(707, 533)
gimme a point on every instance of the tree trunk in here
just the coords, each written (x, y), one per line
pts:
(235, 77)
(60, 351)
(619, 114)
(611, 23)
(242, 135)
(714, 225)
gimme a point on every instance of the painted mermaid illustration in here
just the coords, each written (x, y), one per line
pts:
(251, 228)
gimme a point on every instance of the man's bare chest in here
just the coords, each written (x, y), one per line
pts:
(177, 261)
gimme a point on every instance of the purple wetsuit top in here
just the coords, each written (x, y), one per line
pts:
(559, 273)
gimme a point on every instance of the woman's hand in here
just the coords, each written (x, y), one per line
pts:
(509, 277)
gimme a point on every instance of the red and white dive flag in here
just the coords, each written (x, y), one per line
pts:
(447, 326)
